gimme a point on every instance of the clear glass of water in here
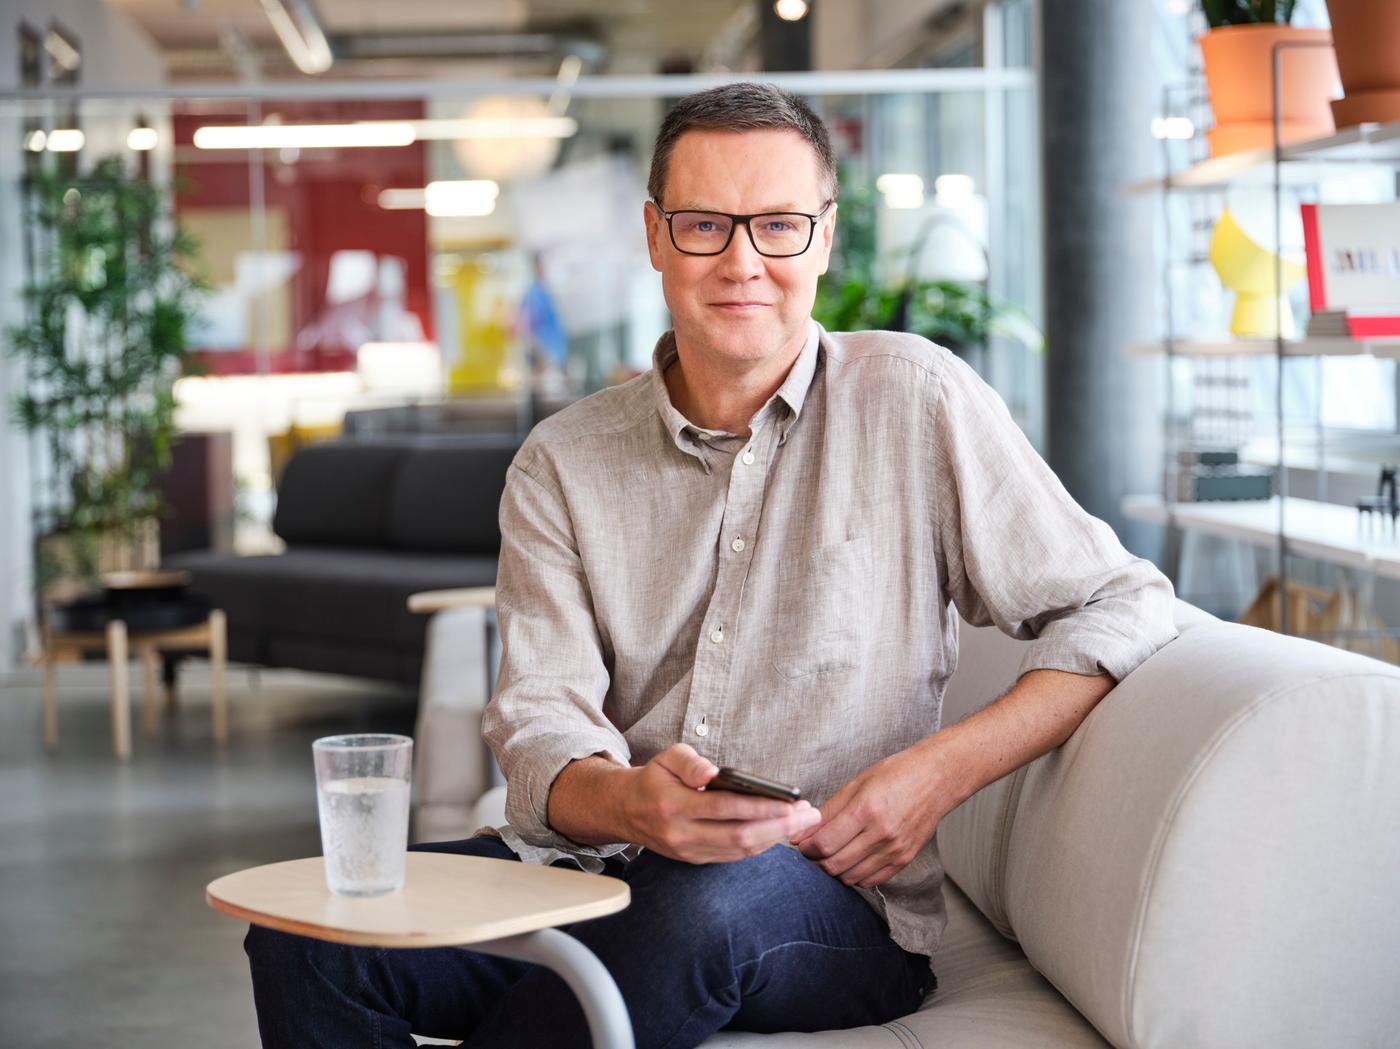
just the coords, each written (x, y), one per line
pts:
(362, 794)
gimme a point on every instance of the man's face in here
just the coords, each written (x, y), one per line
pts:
(741, 305)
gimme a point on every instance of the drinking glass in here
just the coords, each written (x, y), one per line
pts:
(362, 795)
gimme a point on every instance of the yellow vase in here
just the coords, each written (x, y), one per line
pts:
(1252, 273)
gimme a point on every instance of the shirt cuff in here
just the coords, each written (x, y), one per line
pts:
(529, 782)
(1114, 636)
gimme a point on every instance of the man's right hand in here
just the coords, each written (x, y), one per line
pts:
(668, 811)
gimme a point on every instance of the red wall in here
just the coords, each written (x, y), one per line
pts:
(330, 200)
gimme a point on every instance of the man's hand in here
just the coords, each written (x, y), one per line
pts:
(876, 824)
(669, 812)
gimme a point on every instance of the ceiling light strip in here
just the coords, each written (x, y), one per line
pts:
(305, 136)
(496, 127)
(378, 133)
(446, 198)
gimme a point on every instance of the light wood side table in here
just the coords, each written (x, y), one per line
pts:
(118, 643)
(499, 907)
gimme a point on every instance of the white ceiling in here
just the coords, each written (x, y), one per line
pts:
(638, 34)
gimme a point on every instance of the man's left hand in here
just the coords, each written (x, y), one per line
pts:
(875, 825)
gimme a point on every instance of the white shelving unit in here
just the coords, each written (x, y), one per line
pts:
(1336, 347)
(1294, 527)
(1325, 531)
(1302, 163)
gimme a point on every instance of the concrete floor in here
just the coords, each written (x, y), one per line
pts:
(105, 937)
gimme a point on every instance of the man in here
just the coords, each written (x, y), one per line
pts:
(746, 557)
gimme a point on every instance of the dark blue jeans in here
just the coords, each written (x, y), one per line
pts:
(769, 943)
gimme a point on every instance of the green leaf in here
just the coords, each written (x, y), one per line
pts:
(113, 287)
(1221, 13)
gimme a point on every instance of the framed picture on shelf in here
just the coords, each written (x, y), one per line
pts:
(1353, 259)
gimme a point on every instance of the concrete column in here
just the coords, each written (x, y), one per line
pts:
(1097, 98)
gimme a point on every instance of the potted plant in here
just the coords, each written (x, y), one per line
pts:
(1238, 52)
(1367, 38)
(960, 315)
(109, 299)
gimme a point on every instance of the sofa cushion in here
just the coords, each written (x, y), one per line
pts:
(231, 582)
(337, 494)
(354, 596)
(447, 499)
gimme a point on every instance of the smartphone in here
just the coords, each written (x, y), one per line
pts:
(747, 783)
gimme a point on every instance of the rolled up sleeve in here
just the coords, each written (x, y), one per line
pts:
(1016, 550)
(547, 709)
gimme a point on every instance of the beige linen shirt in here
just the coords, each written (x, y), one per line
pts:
(780, 601)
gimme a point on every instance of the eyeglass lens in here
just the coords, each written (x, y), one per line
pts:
(707, 232)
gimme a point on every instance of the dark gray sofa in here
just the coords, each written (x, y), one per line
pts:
(366, 524)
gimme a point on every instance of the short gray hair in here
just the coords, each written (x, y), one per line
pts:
(745, 106)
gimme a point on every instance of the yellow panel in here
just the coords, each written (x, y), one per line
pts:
(485, 361)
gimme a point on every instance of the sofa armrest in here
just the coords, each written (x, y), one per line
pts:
(1210, 860)
(430, 601)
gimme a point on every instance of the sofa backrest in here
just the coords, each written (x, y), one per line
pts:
(1211, 858)
(413, 495)
(335, 494)
(448, 499)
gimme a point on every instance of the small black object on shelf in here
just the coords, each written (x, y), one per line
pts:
(1385, 501)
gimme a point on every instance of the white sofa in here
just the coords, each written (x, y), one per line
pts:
(1212, 860)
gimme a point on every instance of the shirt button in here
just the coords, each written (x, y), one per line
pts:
(737, 546)
(748, 458)
(702, 729)
(717, 636)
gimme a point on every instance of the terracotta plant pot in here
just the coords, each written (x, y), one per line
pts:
(1239, 78)
(1367, 38)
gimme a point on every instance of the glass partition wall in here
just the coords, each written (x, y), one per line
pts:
(440, 258)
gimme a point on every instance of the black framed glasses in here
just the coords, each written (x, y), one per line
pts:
(776, 234)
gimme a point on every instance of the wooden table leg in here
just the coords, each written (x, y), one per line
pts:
(150, 667)
(218, 658)
(121, 701)
(50, 694)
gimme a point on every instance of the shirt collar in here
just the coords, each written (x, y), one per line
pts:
(793, 391)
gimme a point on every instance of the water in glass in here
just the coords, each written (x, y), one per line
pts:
(364, 833)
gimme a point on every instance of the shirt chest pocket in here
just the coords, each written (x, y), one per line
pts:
(823, 620)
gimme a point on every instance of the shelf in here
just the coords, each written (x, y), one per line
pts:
(1333, 347)
(1303, 162)
(1324, 531)
(1364, 144)
(1248, 167)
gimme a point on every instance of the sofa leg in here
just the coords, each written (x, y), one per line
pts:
(169, 676)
